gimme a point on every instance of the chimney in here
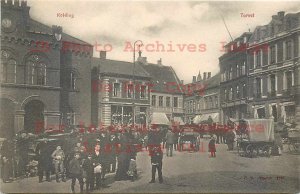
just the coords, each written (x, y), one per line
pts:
(102, 54)
(208, 75)
(159, 62)
(142, 60)
(204, 76)
(281, 15)
(194, 79)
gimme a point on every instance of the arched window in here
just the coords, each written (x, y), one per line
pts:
(9, 67)
(36, 70)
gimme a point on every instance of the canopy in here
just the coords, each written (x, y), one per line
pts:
(200, 118)
(178, 120)
(260, 129)
(159, 119)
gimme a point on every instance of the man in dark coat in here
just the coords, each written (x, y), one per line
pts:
(89, 169)
(75, 168)
(105, 153)
(112, 154)
(96, 157)
(43, 154)
(156, 162)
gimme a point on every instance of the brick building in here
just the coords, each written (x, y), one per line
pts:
(41, 82)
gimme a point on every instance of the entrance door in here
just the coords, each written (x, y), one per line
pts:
(34, 116)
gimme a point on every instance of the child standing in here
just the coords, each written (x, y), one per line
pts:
(156, 161)
(212, 147)
(132, 170)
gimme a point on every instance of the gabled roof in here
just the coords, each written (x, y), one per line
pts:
(114, 67)
(35, 26)
(161, 76)
(214, 81)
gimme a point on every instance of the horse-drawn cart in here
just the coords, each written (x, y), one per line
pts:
(256, 137)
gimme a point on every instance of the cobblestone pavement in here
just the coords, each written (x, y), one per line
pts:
(193, 172)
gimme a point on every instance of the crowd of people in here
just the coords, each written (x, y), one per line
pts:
(89, 160)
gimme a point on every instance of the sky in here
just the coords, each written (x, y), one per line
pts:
(191, 32)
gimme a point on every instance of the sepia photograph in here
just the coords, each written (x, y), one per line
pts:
(126, 96)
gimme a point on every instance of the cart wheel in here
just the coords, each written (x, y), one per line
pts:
(291, 147)
(266, 150)
(249, 150)
(296, 147)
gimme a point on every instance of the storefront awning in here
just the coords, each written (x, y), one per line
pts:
(198, 119)
(159, 119)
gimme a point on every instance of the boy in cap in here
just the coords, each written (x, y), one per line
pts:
(156, 162)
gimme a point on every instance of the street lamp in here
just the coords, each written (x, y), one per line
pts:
(133, 73)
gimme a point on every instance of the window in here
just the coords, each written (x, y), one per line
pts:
(225, 95)
(73, 81)
(116, 90)
(230, 94)
(194, 106)
(237, 71)
(36, 70)
(244, 91)
(153, 100)
(160, 101)
(230, 73)
(130, 88)
(244, 68)
(289, 80)
(168, 101)
(143, 92)
(288, 50)
(258, 87)
(216, 101)
(9, 67)
(245, 39)
(175, 102)
(274, 112)
(273, 54)
(273, 85)
(237, 92)
(258, 59)
(211, 104)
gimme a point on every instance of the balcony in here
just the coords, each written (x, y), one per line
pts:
(289, 92)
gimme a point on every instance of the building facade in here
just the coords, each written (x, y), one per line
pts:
(234, 81)
(120, 93)
(166, 95)
(202, 99)
(273, 57)
(35, 69)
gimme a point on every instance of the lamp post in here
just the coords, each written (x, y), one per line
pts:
(133, 73)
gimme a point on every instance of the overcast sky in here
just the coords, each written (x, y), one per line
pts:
(175, 23)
